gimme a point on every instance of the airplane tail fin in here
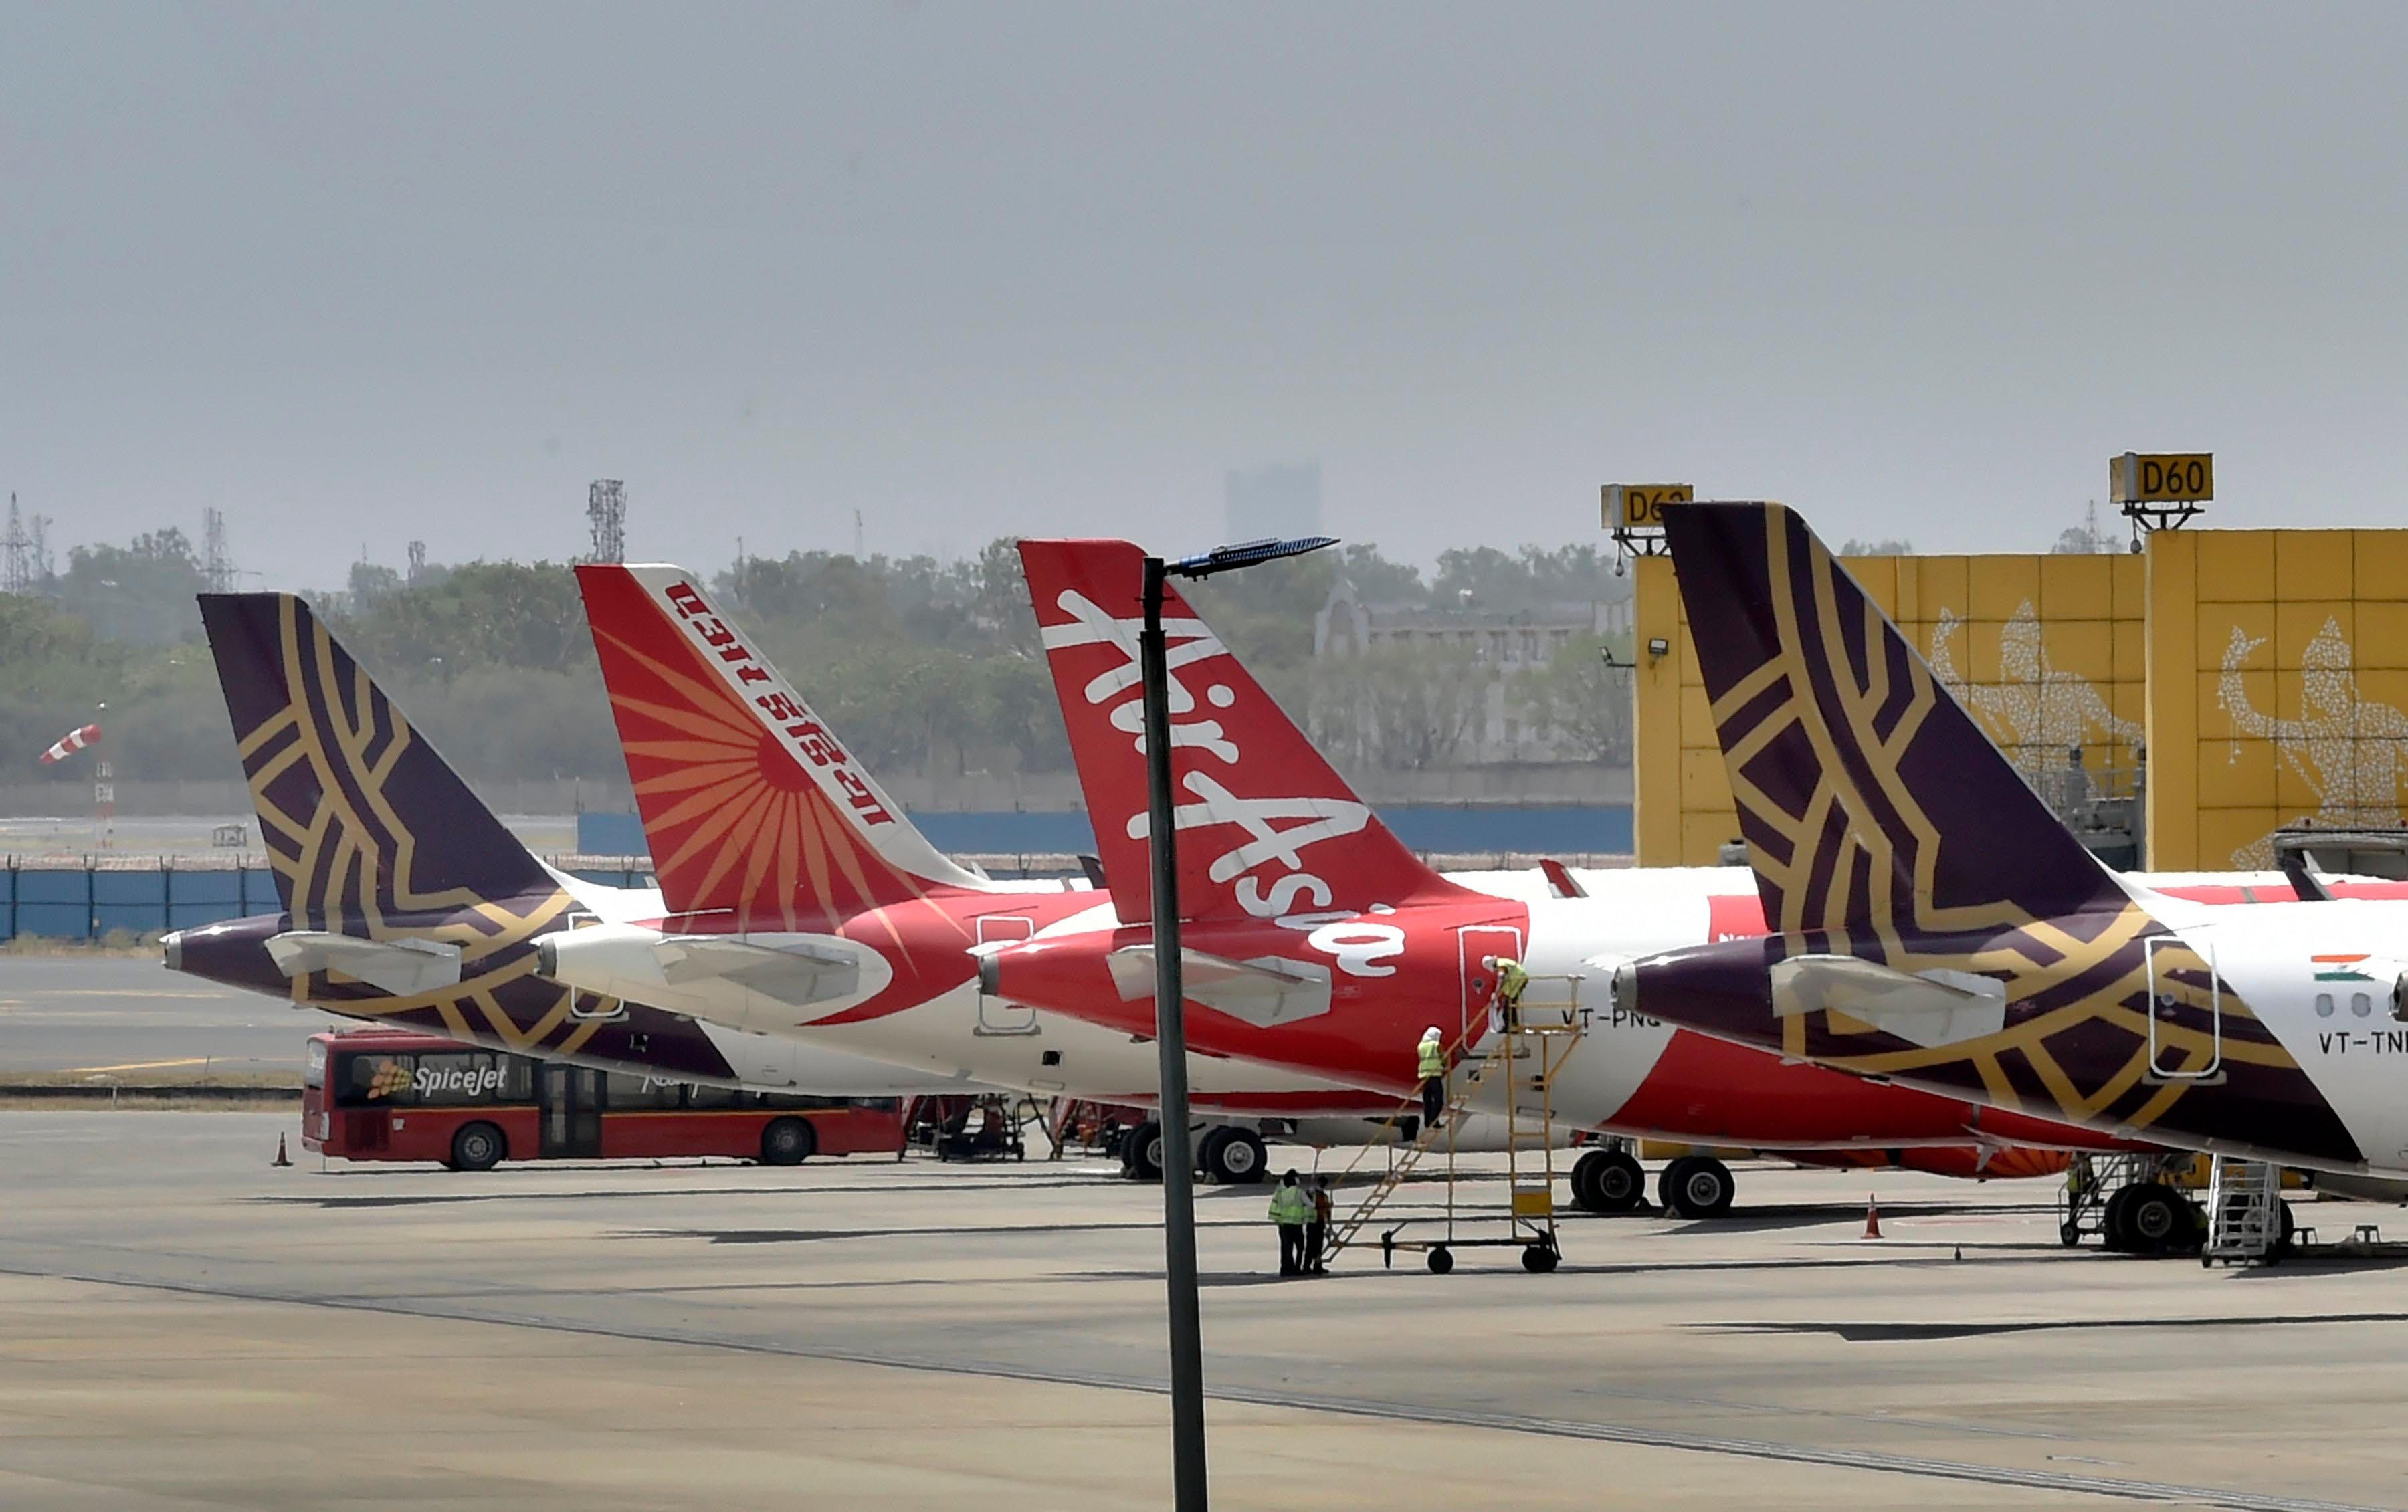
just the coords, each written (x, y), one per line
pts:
(1270, 828)
(358, 814)
(1867, 795)
(751, 805)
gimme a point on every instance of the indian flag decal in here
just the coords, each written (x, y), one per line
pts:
(2340, 968)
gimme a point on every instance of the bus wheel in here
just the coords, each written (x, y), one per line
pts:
(787, 1142)
(478, 1147)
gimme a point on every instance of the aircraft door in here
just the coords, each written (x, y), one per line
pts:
(1475, 942)
(2185, 1010)
(1001, 1015)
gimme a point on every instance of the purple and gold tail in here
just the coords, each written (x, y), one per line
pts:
(1867, 795)
(359, 815)
(405, 899)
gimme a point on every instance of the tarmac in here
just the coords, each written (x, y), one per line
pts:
(183, 1326)
(82, 1016)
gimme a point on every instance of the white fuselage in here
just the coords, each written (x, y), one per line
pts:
(961, 1039)
(2334, 1018)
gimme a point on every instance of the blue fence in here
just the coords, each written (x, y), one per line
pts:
(1450, 829)
(85, 903)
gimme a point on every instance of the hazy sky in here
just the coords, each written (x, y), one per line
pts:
(362, 272)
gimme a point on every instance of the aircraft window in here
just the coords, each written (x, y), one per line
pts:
(2324, 1004)
(2360, 1005)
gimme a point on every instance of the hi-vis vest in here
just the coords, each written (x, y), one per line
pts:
(1511, 979)
(1433, 1059)
(1289, 1205)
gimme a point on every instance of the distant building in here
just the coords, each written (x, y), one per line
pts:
(1274, 501)
(1509, 641)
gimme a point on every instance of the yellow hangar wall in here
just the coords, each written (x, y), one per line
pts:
(2049, 652)
(2278, 677)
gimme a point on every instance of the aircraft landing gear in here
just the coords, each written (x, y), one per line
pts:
(1141, 1151)
(1607, 1181)
(1696, 1186)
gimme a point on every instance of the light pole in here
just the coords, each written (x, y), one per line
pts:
(1169, 1018)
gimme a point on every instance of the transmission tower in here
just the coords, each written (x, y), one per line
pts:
(605, 511)
(217, 568)
(416, 563)
(16, 571)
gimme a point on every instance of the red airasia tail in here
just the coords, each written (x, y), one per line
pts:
(1315, 940)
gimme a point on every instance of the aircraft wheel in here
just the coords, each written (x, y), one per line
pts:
(1621, 1181)
(1239, 1160)
(1208, 1153)
(1696, 1186)
(1441, 1260)
(1144, 1146)
(2113, 1230)
(2156, 1218)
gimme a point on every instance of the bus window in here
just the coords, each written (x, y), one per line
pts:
(448, 1079)
(712, 1097)
(798, 1100)
(373, 1079)
(626, 1092)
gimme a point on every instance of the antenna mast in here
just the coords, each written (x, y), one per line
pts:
(606, 512)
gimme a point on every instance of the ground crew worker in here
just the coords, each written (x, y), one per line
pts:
(1432, 1070)
(1510, 980)
(1291, 1210)
(1316, 1233)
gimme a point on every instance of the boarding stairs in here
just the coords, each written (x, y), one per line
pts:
(2244, 1212)
(1524, 1050)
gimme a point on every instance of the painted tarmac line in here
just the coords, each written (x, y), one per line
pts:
(139, 1065)
(1839, 1458)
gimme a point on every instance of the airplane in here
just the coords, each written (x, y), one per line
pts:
(1934, 927)
(407, 902)
(1312, 939)
(800, 900)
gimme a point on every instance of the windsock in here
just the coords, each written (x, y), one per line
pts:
(75, 740)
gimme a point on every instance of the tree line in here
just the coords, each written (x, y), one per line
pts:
(920, 664)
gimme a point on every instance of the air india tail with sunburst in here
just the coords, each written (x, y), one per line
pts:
(756, 813)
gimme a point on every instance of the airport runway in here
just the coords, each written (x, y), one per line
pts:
(184, 1327)
(130, 1019)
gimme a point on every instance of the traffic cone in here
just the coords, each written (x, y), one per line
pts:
(281, 1158)
(1872, 1218)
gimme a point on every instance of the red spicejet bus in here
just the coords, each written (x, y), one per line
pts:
(390, 1094)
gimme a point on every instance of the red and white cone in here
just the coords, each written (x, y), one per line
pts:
(281, 1158)
(1872, 1218)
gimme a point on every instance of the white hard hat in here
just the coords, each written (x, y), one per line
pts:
(1489, 962)
(1432, 1032)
